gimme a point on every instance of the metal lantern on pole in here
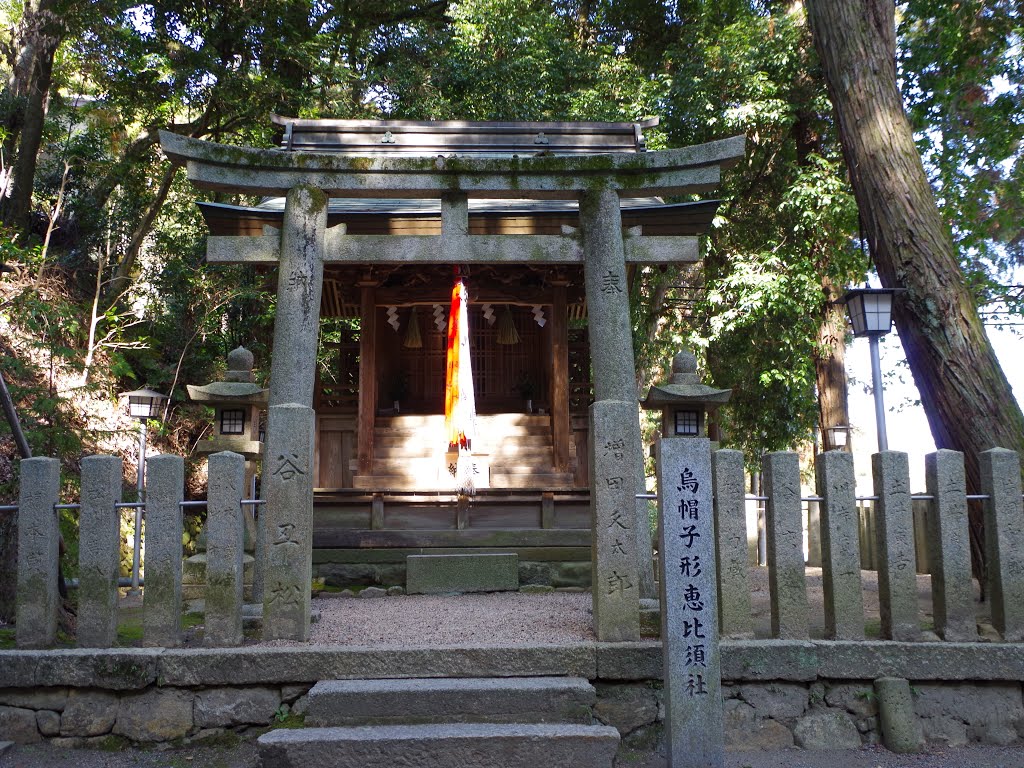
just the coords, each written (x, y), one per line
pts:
(870, 311)
(143, 404)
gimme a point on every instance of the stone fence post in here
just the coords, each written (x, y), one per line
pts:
(1004, 540)
(161, 616)
(731, 545)
(99, 551)
(894, 532)
(949, 547)
(787, 583)
(840, 546)
(225, 541)
(37, 600)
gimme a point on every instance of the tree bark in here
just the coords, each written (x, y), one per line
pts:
(967, 399)
(830, 367)
(40, 32)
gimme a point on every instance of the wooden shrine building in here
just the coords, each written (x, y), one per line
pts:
(405, 203)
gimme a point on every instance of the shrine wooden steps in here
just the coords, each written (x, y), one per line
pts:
(446, 723)
(510, 450)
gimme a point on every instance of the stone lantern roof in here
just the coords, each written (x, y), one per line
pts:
(236, 388)
(684, 387)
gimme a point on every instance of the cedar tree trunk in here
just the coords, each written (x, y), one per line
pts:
(967, 399)
(830, 366)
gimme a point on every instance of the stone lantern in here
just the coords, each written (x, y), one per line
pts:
(685, 402)
(237, 403)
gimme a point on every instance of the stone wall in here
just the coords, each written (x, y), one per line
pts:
(824, 714)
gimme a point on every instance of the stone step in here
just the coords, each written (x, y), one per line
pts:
(451, 700)
(532, 480)
(462, 745)
(512, 430)
(419, 442)
(431, 419)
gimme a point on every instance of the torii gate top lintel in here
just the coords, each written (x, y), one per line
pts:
(249, 170)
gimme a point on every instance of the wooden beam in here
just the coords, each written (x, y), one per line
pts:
(367, 377)
(559, 378)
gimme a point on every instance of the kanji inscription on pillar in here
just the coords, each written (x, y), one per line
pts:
(616, 583)
(287, 522)
(689, 612)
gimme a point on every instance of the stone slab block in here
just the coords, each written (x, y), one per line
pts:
(122, 669)
(1004, 540)
(158, 714)
(840, 546)
(441, 746)
(731, 544)
(787, 582)
(18, 725)
(262, 665)
(462, 700)
(219, 707)
(438, 574)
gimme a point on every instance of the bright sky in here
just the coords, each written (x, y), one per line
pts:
(906, 425)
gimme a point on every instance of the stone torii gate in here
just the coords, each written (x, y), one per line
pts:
(621, 543)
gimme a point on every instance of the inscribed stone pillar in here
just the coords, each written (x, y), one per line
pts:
(161, 604)
(99, 551)
(840, 546)
(787, 583)
(37, 599)
(952, 593)
(1004, 540)
(731, 543)
(894, 540)
(689, 611)
(299, 285)
(611, 345)
(287, 522)
(225, 543)
(612, 465)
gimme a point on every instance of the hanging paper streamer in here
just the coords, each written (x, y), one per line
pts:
(392, 314)
(507, 333)
(459, 399)
(489, 314)
(439, 321)
(538, 315)
(413, 340)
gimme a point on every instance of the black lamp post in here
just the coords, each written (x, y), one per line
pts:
(143, 404)
(870, 311)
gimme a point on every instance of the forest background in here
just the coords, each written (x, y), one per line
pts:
(106, 288)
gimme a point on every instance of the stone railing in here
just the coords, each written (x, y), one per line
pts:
(842, 528)
(99, 551)
(842, 523)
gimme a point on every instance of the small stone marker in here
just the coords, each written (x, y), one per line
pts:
(286, 521)
(99, 553)
(37, 600)
(616, 587)
(225, 543)
(161, 603)
(689, 611)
